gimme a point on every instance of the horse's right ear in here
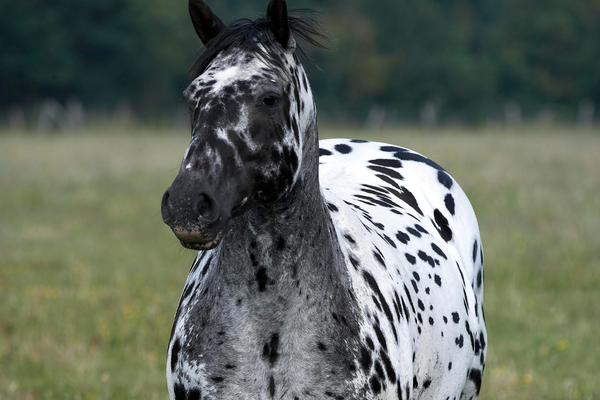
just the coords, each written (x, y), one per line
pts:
(206, 23)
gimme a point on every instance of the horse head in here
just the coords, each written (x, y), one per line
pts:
(250, 106)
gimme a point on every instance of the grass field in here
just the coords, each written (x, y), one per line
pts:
(90, 276)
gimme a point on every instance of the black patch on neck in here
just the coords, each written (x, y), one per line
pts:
(270, 349)
(179, 390)
(263, 279)
(272, 386)
(280, 243)
(194, 394)
(175, 354)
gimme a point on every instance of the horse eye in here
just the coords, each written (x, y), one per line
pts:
(269, 101)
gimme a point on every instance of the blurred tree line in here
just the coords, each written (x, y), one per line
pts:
(465, 58)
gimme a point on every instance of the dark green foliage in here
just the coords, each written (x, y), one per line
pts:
(468, 56)
(102, 52)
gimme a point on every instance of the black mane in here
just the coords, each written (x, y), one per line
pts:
(247, 34)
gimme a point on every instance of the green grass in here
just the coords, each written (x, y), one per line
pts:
(90, 276)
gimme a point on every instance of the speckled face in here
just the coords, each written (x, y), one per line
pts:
(246, 147)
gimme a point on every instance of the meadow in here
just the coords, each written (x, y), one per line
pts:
(90, 276)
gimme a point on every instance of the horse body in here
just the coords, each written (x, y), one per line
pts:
(422, 296)
(353, 275)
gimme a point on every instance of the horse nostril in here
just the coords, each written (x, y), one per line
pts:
(164, 208)
(206, 208)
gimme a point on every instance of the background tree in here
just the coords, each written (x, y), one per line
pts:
(469, 57)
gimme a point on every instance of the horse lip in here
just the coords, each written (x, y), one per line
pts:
(197, 240)
(200, 246)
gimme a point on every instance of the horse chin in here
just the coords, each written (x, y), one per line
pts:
(196, 240)
(201, 246)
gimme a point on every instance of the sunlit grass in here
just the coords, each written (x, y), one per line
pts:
(90, 276)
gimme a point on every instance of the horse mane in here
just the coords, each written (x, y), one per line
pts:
(255, 36)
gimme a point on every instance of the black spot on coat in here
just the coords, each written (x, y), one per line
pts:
(380, 337)
(449, 202)
(343, 148)
(427, 258)
(179, 390)
(475, 376)
(410, 258)
(175, 354)
(365, 359)
(379, 258)
(438, 251)
(272, 387)
(445, 179)
(443, 227)
(355, 263)
(375, 385)
(387, 162)
(389, 369)
(387, 171)
(370, 343)
(455, 317)
(193, 394)
(262, 279)
(392, 149)
(187, 291)
(402, 237)
(375, 287)
(271, 349)
(407, 197)
(459, 341)
(389, 180)
(413, 232)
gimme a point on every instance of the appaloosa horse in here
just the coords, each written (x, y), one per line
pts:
(340, 269)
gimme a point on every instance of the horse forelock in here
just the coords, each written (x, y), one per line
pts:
(254, 36)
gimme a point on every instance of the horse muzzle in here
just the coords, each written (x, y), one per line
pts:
(196, 219)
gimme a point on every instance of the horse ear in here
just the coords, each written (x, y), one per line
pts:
(277, 17)
(206, 23)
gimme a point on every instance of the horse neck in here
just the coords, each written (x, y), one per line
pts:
(287, 250)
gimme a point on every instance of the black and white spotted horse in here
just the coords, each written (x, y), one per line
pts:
(340, 269)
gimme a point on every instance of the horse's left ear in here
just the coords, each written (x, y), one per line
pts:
(277, 17)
